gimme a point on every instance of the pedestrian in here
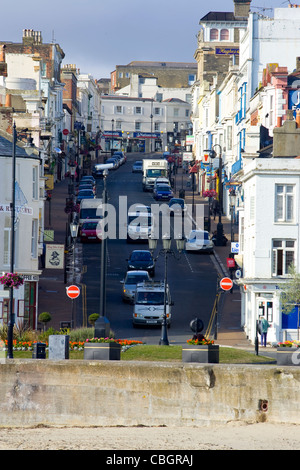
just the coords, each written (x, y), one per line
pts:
(215, 208)
(264, 325)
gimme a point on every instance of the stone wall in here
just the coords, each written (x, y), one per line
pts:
(120, 393)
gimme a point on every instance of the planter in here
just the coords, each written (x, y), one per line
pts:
(200, 353)
(288, 356)
(102, 351)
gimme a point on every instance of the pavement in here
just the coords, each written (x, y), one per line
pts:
(52, 288)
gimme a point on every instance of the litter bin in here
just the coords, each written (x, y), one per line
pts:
(39, 351)
(182, 193)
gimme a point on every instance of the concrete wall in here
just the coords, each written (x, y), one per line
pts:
(111, 393)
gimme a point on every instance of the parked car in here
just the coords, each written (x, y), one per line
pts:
(162, 192)
(137, 167)
(141, 260)
(130, 282)
(177, 206)
(88, 178)
(97, 172)
(114, 162)
(161, 180)
(121, 155)
(83, 187)
(198, 240)
(85, 194)
(90, 231)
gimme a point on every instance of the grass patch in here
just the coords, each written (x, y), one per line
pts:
(169, 354)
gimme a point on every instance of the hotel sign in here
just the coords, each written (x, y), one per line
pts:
(19, 209)
(227, 51)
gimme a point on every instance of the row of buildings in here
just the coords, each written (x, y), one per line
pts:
(55, 121)
(245, 114)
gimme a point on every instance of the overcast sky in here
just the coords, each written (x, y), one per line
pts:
(97, 35)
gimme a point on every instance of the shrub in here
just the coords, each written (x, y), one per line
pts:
(93, 318)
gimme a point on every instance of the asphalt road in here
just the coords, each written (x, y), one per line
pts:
(192, 278)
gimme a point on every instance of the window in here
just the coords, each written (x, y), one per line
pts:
(192, 79)
(120, 74)
(176, 112)
(137, 126)
(214, 34)
(119, 125)
(119, 109)
(224, 35)
(229, 138)
(35, 182)
(284, 203)
(283, 256)
(34, 238)
(157, 126)
(157, 111)
(138, 110)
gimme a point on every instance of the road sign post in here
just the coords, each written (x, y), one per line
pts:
(73, 292)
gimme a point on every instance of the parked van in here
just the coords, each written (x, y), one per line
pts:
(149, 304)
(90, 209)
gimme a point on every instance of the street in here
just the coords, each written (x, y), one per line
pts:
(192, 278)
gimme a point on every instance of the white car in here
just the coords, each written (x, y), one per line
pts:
(198, 240)
(130, 282)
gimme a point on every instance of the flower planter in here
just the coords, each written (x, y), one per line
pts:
(102, 351)
(208, 353)
(287, 356)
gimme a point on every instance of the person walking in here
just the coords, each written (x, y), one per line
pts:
(264, 330)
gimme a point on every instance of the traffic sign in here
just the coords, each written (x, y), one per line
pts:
(226, 283)
(73, 292)
(235, 247)
(65, 131)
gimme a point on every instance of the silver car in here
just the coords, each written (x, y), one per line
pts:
(198, 240)
(130, 282)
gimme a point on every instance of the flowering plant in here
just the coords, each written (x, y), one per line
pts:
(71, 207)
(11, 280)
(209, 193)
(122, 342)
(200, 342)
(289, 344)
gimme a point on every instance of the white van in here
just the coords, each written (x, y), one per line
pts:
(149, 304)
(90, 209)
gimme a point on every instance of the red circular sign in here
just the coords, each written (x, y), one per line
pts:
(226, 283)
(65, 132)
(73, 292)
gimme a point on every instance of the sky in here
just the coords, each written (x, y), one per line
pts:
(97, 35)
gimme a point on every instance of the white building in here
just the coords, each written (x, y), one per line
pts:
(27, 231)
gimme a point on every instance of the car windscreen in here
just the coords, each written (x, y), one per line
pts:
(140, 257)
(135, 279)
(162, 187)
(139, 221)
(89, 226)
(155, 173)
(152, 298)
(90, 213)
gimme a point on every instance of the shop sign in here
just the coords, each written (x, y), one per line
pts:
(54, 256)
(19, 209)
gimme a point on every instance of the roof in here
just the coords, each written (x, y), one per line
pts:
(177, 65)
(6, 149)
(219, 16)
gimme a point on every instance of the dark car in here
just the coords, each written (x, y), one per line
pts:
(141, 260)
(114, 161)
(137, 167)
(162, 192)
(88, 178)
(85, 194)
(120, 155)
(177, 206)
(83, 187)
(90, 232)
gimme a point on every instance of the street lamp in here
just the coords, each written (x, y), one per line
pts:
(74, 233)
(232, 198)
(166, 250)
(219, 239)
(112, 136)
(29, 148)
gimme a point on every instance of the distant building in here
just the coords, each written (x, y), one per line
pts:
(169, 74)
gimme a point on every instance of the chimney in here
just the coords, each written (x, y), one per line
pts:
(279, 121)
(2, 53)
(241, 8)
(32, 37)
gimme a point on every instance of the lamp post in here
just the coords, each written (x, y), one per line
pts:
(232, 198)
(74, 233)
(219, 239)
(166, 250)
(11, 321)
(112, 136)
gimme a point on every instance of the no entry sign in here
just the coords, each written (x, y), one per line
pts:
(73, 292)
(226, 283)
